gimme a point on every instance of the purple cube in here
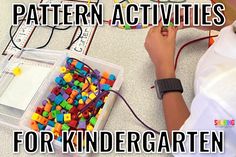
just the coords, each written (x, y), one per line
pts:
(139, 26)
(52, 97)
(44, 102)
(82, 125)
(65, 96)
(48, 128)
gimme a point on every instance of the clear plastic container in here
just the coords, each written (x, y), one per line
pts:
(49, 83)
(10, 115)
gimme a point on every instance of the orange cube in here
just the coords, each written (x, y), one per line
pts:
(58, 127)
(48, 107)
(34, 125)
(105, 75)
(102, 81)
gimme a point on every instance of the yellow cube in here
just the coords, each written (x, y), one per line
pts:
(68, 77)
(87, 101)
(92, 96)
(81, 101)
(88, 79)
(93, 88)
(67, 117)
(84, 94)
(35, 117)
(17, 71)
(89, 127)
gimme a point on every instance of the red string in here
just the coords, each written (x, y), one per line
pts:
(188, 43)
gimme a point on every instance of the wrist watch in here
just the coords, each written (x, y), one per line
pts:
(164, 86)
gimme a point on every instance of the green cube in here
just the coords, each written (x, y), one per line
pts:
(81, 84)
(54, 113)
(82, 119)
(93, 121)
(45, 114)
(127, 27)
(68, 107)
(65, 127)
(76, 83)
(64, 104)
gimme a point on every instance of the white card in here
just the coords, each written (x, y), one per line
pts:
(23, 87)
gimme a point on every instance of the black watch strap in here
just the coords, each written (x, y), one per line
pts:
(168, 85)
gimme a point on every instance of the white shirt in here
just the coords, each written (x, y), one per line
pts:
(215, 91)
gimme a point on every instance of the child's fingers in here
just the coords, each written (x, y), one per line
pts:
(164, 33)
(159, 27)
(172, 31)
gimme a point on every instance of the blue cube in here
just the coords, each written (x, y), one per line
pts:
(51, 123)
(84, 98)
(59, 139)
(105, 87)
(79, 96)
(112, 77)
(58, 99)
(41, 126)
(79, 65)
(83, 72)
(59, 80)
(99, 103)
(60, 118)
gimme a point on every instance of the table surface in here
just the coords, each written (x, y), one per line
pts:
(126, 49)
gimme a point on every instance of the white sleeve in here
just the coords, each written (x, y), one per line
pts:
(204, 112)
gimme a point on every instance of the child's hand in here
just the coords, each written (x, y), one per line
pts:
(161, 48)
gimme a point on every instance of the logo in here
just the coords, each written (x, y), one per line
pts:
(224, 123)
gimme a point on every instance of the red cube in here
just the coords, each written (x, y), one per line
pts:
(68, 91)
(39, 110)
(74, 110)
(56, 90)
(73, 123)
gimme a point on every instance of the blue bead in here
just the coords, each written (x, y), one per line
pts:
(59, 139)
(69, 60)
(60, 118)
(79, 65)
(53, 107)
(83, 72)
(74, 88)
(84, 98)
(75, 103)
(79, 96)
(58, 99)
(51, 123)
(112, 77)
(41, 126)
(99, 103)
(63, 82)
(59, 80)
(105, 87)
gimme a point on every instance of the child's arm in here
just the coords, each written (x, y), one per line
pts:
(161, 48)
